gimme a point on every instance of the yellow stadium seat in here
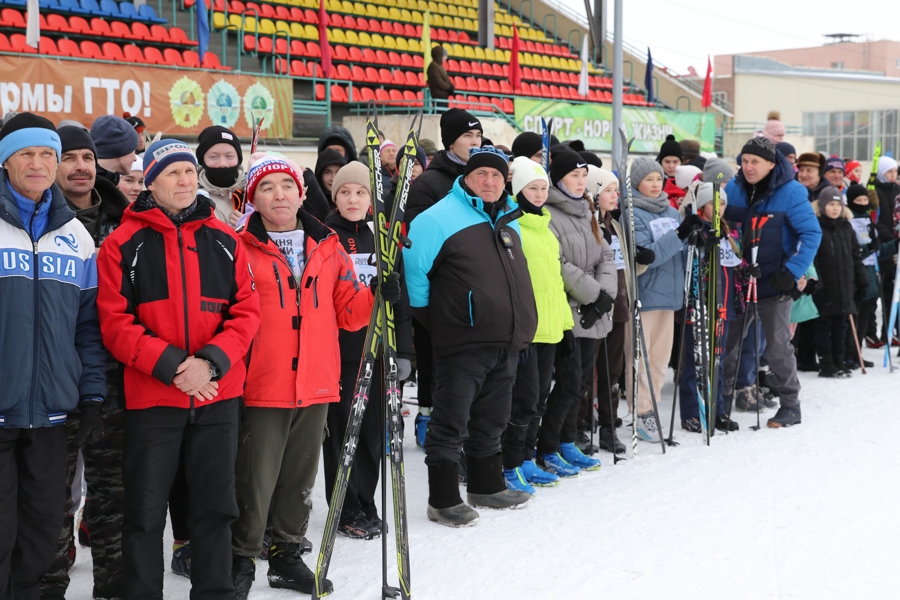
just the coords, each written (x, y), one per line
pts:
(414, 45)
(469, 52)
(218, 20)
(390, 42)
(417, 17)
(359, 8)
(333, 5)
(405, 16)
(498, 29)
(401, 4)
(283, 26)
(490, 54)
(377, 40)
(454, 50)
(235, 20)
(472, 13)
(337, 36)
(452, 10)
(507, 30)
(310, 32)
(437, 20)
(297, 31)
(352, 38)
(545, 61)
(365, 39)
(371, 11)
(433, 7)
(554, 62)
(479, 53)
(383, 13)
(402, 44)
(526, 59)
(347, 7)
(394, 14)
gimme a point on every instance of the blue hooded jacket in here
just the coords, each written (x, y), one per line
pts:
(790, 234)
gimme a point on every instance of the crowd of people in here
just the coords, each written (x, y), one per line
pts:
(188, 332)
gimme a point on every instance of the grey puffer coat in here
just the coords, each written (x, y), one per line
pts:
(588, 267)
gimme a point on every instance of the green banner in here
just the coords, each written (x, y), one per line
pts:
(592, 123)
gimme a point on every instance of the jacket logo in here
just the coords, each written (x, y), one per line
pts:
(68, 241)
(213, 307)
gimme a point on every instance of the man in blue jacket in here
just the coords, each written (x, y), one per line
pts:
(469, 285)
(779, 225)
(50, 343)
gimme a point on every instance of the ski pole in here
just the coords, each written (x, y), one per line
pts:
(680, 364)
(756, 326)
(650, 386)
(612, 413)
(862, 363)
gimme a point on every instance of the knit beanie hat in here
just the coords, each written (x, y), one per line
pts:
(774, 128)
(524, 171)
(138, 164)
(704, 195)
(786, 148)
(856, 190)
(670, 148)
(690, 149)
(761, 147)
(428, 146)
(262, 164)
(849, 166)
(216, 134)
(385, 144)
(114, 137)
(488, 156)
(72, 123)
(715, 166)
(74, 138)
(564, 160)
(352, 172)
(811, 159)
(135, 122)
(643, 166)
(828, 194)
(527, 144)
(591, 158)
(161, 154)
(685, 174)
(834, 162)
(885, 164)
(598, 180)
(419, 156)
(25, 130)
(456, 122)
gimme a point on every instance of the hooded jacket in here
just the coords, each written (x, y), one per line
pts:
(170, 291)
(542, 251)
(111, 205)
(839, 265)
(790, 233)
(438, 80)
(225, 200)
(358, 242)
(467, 275)
(588, 267)
(335, 134)
(886, 195)
(432, 185)
(295, 359)
(610, 227)
(326, 158)
(49, 333)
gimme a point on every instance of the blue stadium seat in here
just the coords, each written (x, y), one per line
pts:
(129, 11)
(73, 7)
(49, 4)
(110, 8)
(15, 2)
(147, 12)
(91, 7)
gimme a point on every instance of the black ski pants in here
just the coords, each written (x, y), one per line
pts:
(153, 442)
(560, 420)
(472, 402)
(830, 333)
(534, 377)
(424, 364)
(611, 352)
(32, 493)
(366, 462)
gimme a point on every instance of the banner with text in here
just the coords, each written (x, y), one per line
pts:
(174, 101)
(592, 123)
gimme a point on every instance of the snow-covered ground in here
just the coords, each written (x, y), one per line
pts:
(811, 512)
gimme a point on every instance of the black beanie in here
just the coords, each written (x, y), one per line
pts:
(456, 122)
(576, 145)
(75, 138)
(527, 144)
(670, 148)
(854, 191)
(488, 156)
(564, 160)
(591, 158)
(762, 148)
(216, 134)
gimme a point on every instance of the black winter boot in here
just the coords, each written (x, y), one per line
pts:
(444, 503)
(826, 367)
(288, 571)
(842, 370)
(243, 572)
(487, 485)
(785, 417)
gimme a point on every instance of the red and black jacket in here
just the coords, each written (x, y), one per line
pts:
(167, 292)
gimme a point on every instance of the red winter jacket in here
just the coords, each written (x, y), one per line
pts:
(167, 293)
(676, 194)
(296, 358)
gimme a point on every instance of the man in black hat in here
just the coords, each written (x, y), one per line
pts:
(469, 286)
(99, 205)
(116, 142)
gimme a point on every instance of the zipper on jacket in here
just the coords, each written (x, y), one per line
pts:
(187, 334)
(37, 322)
(316, 292)
(278, 281)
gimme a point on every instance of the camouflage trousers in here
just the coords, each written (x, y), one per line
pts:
(103, 510)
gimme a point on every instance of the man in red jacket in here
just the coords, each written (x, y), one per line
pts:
(179, 308)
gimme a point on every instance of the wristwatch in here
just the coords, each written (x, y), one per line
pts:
(213, 370)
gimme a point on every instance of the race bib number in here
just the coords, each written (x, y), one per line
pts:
(616, 247)
(364, 271)
(291, 245)
(662, 226)
(727, 257)
(861, 227)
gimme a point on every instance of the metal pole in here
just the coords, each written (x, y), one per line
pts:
(617, 80)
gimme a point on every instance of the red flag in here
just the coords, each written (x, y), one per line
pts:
(706, 99)
(515, 75)
(323, 40)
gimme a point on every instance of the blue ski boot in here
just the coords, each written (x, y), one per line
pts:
(558, 465)
(515, 480)
(576, 457)
(537, 476)
(421, 425)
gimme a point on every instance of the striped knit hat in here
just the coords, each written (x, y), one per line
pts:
(163, 153)
(266, 165)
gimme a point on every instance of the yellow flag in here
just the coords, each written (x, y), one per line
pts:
(426, 41)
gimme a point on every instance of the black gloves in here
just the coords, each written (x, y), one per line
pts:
(596, 309)
(91, 426)
(643, 256)
(782, 281)
(753, 271)
(690, 224)
(874, 243)
(390, 291)
(568, 344)
(812, 286)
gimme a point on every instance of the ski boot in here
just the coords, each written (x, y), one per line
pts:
(576, 457)
(460, 515)
(692, 425)
(537, 476)
(556, 464)
(181, 559)
(515, 480)
(243, 572)
(287, 570)
(785, 417)
(647, 428)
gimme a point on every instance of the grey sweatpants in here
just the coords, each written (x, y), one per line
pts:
(775, 314)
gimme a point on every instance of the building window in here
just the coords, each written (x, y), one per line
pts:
(837, 65)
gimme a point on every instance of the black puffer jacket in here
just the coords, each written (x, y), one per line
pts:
(327, 158)
(839, 265)
(335, 134)
(887, 195)
(359, 243)
(432, 185)
(109, 213)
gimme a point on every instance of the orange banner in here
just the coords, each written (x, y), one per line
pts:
(174, 101)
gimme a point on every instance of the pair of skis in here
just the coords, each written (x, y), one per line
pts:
(380, 336)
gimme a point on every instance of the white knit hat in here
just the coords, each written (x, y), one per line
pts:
(685, 174)
(598, 180)
(524, 171)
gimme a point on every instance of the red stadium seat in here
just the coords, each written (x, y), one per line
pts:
(372, 75)
(298, 69)
(298, 48)
(381, 95)
(173, 57)
(339, 94)
(356, 54)
(249, 44)
(366, 94)
(47, 46)
(79, 25)
(12, 18)
(120, 30)
(68, 47)
(178, 36)
(133, 53)
(343, 72)
(90, 49)
(56, 23)
(140, 31)
(281, 47)
(264, 45)
(340, 53)
(153, 56)
(160, 34)
(191, 59)
(358, 74)
(211, 61)
(320, 92)
(112, 51)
